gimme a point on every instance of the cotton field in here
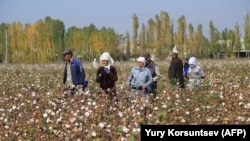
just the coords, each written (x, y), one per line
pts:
(32, 106)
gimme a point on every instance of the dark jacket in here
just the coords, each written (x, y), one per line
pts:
(106, 80)
(151, 67)
(77, 72)
(175, 71)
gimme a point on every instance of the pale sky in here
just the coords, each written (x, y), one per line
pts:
(117, 14)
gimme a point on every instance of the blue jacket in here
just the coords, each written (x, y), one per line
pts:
(77, 72)
(140, 77)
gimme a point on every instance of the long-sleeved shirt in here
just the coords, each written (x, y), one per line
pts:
(139, 77)
(76, 74)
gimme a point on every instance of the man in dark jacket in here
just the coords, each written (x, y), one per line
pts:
(74, 73)
(154, 69)
(175, 71)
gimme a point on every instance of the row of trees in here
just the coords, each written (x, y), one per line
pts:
(44, 41)
(159, 37)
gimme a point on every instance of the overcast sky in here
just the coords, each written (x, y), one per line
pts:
(117, 14)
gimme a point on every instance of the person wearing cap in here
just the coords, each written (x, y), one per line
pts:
(74, 73)
(106, 76)
(175, 71)
(154, 69)
(140, 79)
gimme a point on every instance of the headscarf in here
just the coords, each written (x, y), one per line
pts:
(106, 56)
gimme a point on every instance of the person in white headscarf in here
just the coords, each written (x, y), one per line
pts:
(106, 76)
(140, 78)
(111, 60)
(194, 74)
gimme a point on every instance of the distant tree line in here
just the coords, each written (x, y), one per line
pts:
(44, 41)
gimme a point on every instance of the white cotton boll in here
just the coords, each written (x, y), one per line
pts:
(164, 106)
(48, 120)
(208, 107)
(248, 120)
(52, 113)
(34, 102)
(87, 114)
(93, 133)
(125, 129)
(187, 113)
(240, 97)
(150, 115)
(93, 103)
(31, 120)
(241, 118)
(168, 98)
(197, 109)
(177, 95)
(120, 114)
(50, 128)
(48, 111)
(59, 120)
(101, 125)
(247, 106)
(67, 126)
(72, 120)
(209, 119)
(6, 127)
(33, 94)
(16, 133)
(48, 93)
(45, 115)
(241, 103)
(14, 107)
(89, 103)
(134, 130)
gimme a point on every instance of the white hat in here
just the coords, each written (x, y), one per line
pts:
(192, 61)
(104, 57)
(174, 52)
(141, 59)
